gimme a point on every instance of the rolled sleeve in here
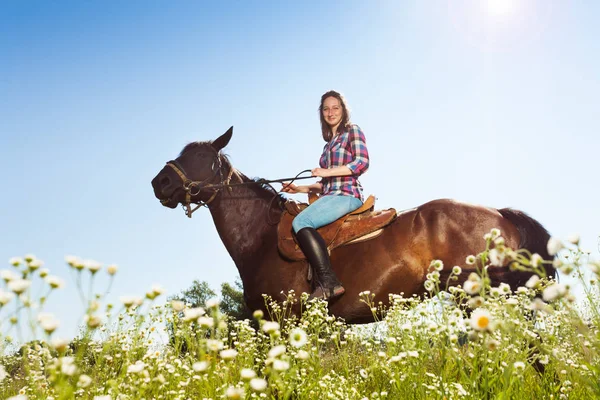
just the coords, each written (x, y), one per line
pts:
(358, 147)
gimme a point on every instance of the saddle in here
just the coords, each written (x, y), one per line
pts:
(361, 224)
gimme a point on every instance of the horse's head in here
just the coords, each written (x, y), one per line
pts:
(185, 179)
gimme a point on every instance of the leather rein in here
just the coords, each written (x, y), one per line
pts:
(193, 188)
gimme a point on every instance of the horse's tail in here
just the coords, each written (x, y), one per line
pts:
(534, 237)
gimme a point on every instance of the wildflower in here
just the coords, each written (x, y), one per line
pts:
(470, 260)
(18, 286)
(3, 373)
(192, 314)
(247, 374)
(554, 292)
(35, 264)
(298, 337)
(48, 322)
(270, 327)
(413, 353)
(302, 355)
(494, 233)
(258, 384)
(481, 320)
(456, 270)
(93, 321)
(363, 373)
(44, 272)
(200, 366)
(429, 286)
(472, 287)
(155, 291)
(228, 354)
(206, 322)
(84, 381)
(497, 257)
(18, 397)
(92, 266)
(492, 344)
(112, 269)
(67, 366)
(213, 303)
(234, 393)
(554, 245)
(130, 301)
(136, 368)
(536, 260)
(475, 302)
(512, 301)
(504, 288)
(72, 260)
(574, 239)
(15, 261)
(8, 275)
(5, 297)
(438, 265)
(533, 282)
(214, 345)
(519, 366)
(281, 365)
(105, 397)
(276, 351)
(55, 282)
(539, 305)
(60, 344)
(258, 314)
(177, 305)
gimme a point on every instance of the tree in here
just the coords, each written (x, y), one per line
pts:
(232, 298)
(197, 294)
(232, 301)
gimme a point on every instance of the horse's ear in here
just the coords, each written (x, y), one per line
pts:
(220, 142)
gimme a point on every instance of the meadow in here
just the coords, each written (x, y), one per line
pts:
(472, 341)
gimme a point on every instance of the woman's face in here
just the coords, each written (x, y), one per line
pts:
(332, 111)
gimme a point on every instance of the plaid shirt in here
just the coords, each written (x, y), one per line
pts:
(348, 148)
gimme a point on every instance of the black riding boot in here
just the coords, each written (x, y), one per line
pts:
(315, 249)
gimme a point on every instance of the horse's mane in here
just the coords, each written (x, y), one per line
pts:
(265, 190)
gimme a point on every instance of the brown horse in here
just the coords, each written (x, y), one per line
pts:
(246, 212)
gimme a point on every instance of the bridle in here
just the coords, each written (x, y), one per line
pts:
(193, 188)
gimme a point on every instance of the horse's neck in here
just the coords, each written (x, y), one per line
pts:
(244, 217)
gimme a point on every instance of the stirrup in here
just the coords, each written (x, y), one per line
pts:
(327, 293)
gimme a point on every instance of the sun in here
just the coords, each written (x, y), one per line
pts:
(501, 7)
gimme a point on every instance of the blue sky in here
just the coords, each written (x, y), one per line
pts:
(457, 99)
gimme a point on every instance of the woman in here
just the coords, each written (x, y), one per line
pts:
(344, 159)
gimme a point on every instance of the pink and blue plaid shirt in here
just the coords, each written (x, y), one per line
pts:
(348, 148)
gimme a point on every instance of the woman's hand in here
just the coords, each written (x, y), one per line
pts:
(291, 188)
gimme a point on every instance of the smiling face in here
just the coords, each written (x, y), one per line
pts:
(332, 111)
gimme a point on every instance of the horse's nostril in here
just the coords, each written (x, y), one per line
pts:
(165, 181)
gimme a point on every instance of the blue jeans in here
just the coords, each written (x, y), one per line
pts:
(324, 211)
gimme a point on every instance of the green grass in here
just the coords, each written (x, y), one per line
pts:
(490, 343)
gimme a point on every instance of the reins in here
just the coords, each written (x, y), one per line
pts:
(193, 188)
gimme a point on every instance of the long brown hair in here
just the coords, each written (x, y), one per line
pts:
(325, 128)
